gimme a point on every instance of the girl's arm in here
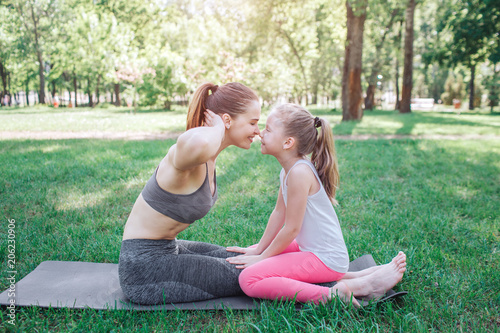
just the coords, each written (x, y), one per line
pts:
(197, 145)
(300, 181)
(274, 224)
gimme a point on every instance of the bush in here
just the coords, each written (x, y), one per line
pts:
(454, 88)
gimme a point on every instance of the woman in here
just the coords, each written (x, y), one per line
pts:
(154, 266)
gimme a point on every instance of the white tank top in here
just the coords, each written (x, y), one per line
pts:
(320, 232)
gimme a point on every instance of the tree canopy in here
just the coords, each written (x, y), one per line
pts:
(156, 52)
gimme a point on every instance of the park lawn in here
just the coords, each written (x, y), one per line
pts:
(437, 200)
(112, 120)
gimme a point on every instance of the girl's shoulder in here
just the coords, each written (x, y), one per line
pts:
(301, 172)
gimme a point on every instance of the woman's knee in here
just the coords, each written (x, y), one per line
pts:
(247, 279)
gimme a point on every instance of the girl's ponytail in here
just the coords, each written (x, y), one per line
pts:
(300, 124)
(324, 158)
(197, 106)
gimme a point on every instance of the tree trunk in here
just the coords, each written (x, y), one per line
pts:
(398, 41)
(27, 90)
(89, 93)
(42, 78)
(299, 60)
(315, 89)
(372, 81)
(352, 98)
(117, 94)
(39, 55)
(493, 91)
(75, 87)
(471, 87)
(3, 74)
(97, 90)
(398, 103)
(370, 96)
(408, 63)
(54, 90)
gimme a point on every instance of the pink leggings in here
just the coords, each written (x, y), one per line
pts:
(289, 275)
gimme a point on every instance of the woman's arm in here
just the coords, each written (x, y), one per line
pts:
(197, 145)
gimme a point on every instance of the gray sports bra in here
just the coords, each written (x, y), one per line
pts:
(184, 208)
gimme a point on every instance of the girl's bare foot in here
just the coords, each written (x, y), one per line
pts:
(342, 291)
(386, 277)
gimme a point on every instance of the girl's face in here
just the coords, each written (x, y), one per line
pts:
(245, 127)
(272, 136)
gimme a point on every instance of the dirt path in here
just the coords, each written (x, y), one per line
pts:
(61, 135)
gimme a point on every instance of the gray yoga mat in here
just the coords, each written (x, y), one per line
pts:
(78, 285)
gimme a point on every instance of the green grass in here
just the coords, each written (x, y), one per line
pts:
(436, 200)
(380, 122)
(112, 119)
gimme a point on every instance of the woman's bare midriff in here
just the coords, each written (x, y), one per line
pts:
(146, 223)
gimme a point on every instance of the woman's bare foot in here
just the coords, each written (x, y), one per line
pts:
(342, 291)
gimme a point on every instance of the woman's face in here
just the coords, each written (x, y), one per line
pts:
(245, 126)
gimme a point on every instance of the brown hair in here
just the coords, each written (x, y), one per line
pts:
(232, 98)
(300, 124)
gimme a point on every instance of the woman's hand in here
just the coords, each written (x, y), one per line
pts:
(244, 261)
(199, 144)
(213, 120)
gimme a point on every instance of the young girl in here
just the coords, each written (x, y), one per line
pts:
(302, 244)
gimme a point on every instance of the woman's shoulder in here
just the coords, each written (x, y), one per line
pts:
(190, 150)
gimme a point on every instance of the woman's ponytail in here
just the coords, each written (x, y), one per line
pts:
(197, 106)
(324, 158)
(232, 98)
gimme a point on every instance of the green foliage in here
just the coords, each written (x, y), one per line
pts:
(493, 86)
(285, 50)
(454, 89)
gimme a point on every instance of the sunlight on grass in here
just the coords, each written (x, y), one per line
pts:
(377, 122)
(53, 148)
(75, 198)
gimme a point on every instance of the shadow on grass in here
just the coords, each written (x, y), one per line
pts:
(410, 121)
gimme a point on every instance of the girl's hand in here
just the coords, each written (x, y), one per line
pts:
(244, 250)
(244, 261)
(212, 119)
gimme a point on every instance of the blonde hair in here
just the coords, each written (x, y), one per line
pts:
(303, 126)
(232, 98)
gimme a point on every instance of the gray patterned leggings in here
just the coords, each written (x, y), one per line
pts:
(172, 271)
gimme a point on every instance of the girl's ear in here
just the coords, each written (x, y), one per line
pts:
(226, 118)
(289, 143)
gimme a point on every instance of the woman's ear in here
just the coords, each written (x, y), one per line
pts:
(226, 118)
(289, 142)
